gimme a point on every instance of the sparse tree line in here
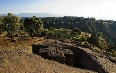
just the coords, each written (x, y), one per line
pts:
(58, 28)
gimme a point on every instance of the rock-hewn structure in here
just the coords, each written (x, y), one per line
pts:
(25, 58)
(64, 56)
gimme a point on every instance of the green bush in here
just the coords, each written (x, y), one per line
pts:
(98, 40)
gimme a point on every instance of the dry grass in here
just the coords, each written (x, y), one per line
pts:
(20, 62)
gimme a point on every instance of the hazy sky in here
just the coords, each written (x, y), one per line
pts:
(104, 9)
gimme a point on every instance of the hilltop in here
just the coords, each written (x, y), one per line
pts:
(52, 44)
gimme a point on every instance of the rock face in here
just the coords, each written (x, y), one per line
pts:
(64, 56)
(85, 61)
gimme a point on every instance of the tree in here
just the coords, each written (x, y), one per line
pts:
(33, 25)
(11, 24)
(76, 30)
(98, 40)
(1, 25)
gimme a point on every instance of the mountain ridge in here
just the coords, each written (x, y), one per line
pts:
(35, 14)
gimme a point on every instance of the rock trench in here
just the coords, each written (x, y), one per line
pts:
(71, 56)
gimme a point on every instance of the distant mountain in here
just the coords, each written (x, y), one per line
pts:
(35, 14)
(2, 14)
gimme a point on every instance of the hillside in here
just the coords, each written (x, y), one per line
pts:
(22, 58)
(19, 62)
(56, 45)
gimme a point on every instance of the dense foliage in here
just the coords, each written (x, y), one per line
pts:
(33, 26)
(90, 25)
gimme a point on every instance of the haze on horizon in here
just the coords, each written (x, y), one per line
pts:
(100, 9)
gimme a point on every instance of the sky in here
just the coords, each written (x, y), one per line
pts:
(100, 9)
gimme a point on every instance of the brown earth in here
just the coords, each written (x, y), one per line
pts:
(21, 62)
